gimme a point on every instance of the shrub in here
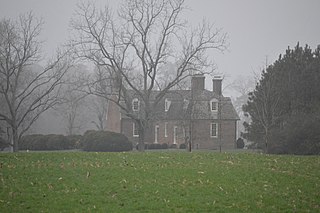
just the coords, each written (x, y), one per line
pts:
(56, 142)
(183, 146)
(33, 142)
(3, 144)
(240, 143)
(164, 146)
(74, 141)
(146, 146)
(154, 146)
(105, 141)
(173, 146)
(44, 142)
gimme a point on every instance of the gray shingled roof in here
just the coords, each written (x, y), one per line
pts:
(180, 108)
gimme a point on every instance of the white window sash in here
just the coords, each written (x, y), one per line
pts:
(214, 106)
(215, 130)
(156, 133)
(175, 134)
(134, 130)
(135, 105)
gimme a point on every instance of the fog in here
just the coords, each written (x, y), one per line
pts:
(258, 31)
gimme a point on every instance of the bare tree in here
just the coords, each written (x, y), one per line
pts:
(102, 79)
(27, 92)
(242, 85)
(72, 107)
(74, 102)
(134, 46)
(99, 109)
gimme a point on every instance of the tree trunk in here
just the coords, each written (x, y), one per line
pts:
(15, 139)
(266, 140)
(141, 139)
(190, 141)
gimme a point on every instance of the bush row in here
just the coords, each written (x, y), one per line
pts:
(98, 141)
(3, 144)
(46, 142)
(91, 141)
(163, 146)
(104, 141)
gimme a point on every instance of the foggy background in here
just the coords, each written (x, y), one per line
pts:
(258, 31)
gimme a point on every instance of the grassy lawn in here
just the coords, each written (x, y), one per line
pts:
(158, 182)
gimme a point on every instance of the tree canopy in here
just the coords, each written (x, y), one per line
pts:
(135, 44)
(26, 90)
(284, 106)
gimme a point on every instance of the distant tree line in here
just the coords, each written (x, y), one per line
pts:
(285, 105)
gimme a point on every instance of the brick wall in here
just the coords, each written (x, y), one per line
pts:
(127, 129)
(201, 135)
(203, 140)
(113, 118)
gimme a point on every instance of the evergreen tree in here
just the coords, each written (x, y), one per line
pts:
(287, 97)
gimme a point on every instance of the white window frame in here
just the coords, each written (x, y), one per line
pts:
(184, 132)
(175, 134)
(134, 129)
(135, 100)
(166, 105)
(217, 129)
(156, 131)
(185, 104)
(166, 129)
(214, 103)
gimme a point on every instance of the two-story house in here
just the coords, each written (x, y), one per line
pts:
(207, 118)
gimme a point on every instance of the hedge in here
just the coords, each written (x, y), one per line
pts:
(240, 143)
(44, 142)
(3, 144)
(183, 146)
(154, 146)
(173, 146)
(75, 141)
(105, 141)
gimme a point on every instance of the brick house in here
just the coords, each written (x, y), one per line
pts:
(206, 117)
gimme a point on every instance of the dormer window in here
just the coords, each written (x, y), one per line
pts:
(185, 104)
(214, 105)
(135, 104)
(166, 105)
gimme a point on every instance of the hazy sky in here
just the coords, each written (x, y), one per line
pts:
(257, 29)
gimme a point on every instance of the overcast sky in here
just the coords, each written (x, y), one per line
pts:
(257, 29)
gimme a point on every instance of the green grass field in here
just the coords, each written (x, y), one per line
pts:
(158, 182)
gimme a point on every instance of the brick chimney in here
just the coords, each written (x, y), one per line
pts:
(217, 84)
(197, 83)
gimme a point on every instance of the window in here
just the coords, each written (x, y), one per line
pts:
(135, 130)
(167, 105)
(135, 104)
(185, 104)
(156, 133)
(214, 105)
(184, 132)
(175, 128)
(165, 129)
(214, 130)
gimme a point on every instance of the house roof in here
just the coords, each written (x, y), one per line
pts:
(180, 102)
